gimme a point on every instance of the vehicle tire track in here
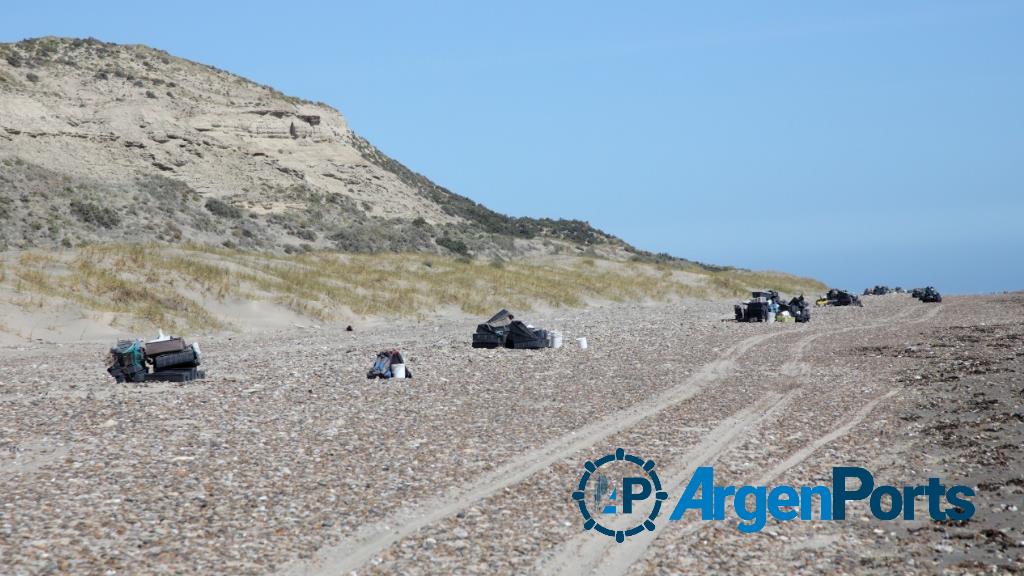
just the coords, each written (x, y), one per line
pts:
(354, 552)
(621, 558)
(615, 561)
(579, 555)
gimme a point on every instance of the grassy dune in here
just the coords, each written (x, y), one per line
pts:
(176, 287)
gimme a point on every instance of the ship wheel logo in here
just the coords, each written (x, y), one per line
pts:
(615, 497)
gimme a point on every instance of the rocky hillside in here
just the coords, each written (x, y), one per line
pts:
(111, 143)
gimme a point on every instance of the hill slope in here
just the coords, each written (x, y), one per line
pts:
(106, 142)
(173, 189)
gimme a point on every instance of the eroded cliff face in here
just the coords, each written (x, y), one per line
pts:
(108, 142)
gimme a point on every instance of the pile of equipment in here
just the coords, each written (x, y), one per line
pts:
(762, 306)
(928, 294)
(767, 306)
(882, 291)
(127, 361)
(798, 309)
(389, 364)
(171, 360)
(503, 330)
(836, 297)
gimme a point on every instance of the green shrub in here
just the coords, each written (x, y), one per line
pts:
(169, 194)
(305, 234)
(218, 207)
(454, 244)
(101, 216)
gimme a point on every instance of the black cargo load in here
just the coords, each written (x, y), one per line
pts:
(494, 332)
(184, 375)
(521, 337)
(187, 358)
(487, 336)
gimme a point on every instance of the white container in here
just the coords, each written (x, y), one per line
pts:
(555, 339)
(582, 342)
(771, 316)
(398, 370)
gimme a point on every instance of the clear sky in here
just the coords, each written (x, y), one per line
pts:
(857, 142)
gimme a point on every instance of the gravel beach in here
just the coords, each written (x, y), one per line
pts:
(287, 460)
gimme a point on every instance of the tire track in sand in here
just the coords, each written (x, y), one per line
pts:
(350, 554)
(606, 559)
(617, 559)
(581, 554)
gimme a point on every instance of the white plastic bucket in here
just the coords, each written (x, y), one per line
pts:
(582, 342)
(771, 316)
(398, 370)
(556, 339)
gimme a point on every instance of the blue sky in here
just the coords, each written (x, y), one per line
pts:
(857, 142)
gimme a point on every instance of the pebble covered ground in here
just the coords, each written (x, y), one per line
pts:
(286, 459)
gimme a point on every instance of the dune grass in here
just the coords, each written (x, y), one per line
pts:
(157, 285)
(108, 280)
(736, 282)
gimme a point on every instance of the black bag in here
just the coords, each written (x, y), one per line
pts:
(126, 363)
(487, 336)
(124, 374)
(521, 337)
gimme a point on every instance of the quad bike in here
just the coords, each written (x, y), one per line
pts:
(757, 308)
(930, 294)
(836, 297)
(762, 302)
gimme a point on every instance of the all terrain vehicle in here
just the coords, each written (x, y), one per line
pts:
(757, 308)
(763, 302)
(836, 297)
(930, 294)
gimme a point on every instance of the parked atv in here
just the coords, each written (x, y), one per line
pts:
(757, 308)
(930, 294)
(877, 291)
(836, 297)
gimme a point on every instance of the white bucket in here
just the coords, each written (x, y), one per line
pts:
(771, 316)
(556, 339)
(398, 370)
(582, 342)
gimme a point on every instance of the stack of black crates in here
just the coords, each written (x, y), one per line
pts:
(171, 360)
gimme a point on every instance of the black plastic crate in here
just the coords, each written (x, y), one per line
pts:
(185, 375)
(185, 359)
